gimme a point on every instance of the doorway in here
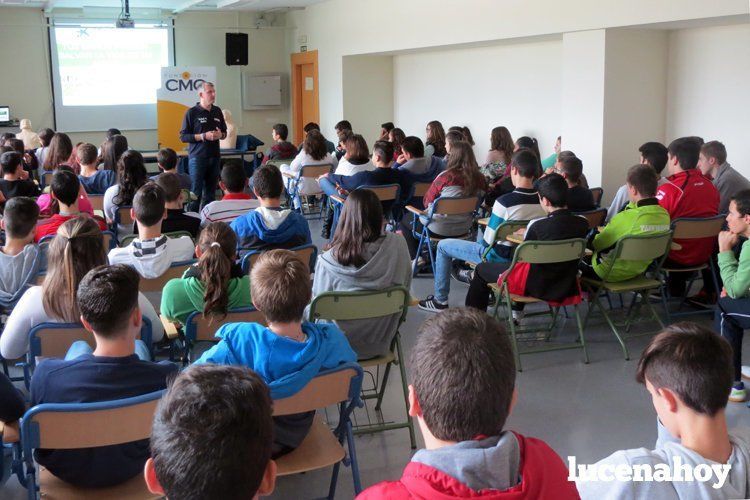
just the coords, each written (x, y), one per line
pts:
(305, 106)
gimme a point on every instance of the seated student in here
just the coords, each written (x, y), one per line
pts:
(468, 452)
(289, 352)
(552, 159)
(281, 149)
(59, 153)
(177, 219)
(452, 137)
(686, 370)
(151, 253)
(313, 153)
(48, 206)
(385, 130)
(343, 136)
(435, 140)
(167, 159)
(363, 257)
(553, 282)
(330, 147)
(653, 154)
(356, 158)
(64, 190)
(396, 137)
(499, 155)
(412, 158)
(131, 175)
(270, 226)
(230, 408)
(236, 201)
(461, 178)
(118, 368)
(570, 167)
(28, 160)
(521, 204)
(688, 193)
(712, 163)
(77, 248)
(19, 257)
(643, 215)
(214, 284)
(45, 137)
(16, 181)
(94, 181)
(732, 315)
(112, 150)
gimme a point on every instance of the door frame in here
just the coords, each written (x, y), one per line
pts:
(298, 59)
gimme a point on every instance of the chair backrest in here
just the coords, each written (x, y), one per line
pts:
(597, 193)
(97, 202)
(109, 240)
(509, 227)
(329, 387)
(687, 228)
(550, 252)
(47, 177)
(594, 217)
(643, 246)
(176, 270)
(419, 189)
(388, 192)
(203, 329)
(455, 206)
(307, 253)
(88, 425)
(366, 304)
(122, 216)
(279, 163)
(315, 171)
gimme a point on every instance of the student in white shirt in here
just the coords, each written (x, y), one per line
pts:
(357, 157)
(235, 202)
(314, 152)
(152, 253)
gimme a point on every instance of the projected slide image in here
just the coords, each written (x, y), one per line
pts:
(108, 66)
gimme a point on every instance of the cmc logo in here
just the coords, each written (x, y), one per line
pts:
(186, 83)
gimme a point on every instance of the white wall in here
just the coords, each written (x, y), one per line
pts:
(709, 88)
(514, 85)
(368, 93)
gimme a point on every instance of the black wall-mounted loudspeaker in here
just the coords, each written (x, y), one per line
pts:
(236, 49)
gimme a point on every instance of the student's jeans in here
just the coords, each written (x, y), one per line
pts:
(204, 174)
(732, 318)
(80, 347)
(447, 250)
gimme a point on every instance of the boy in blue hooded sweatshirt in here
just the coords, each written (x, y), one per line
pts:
(269, 226)
(289, 352)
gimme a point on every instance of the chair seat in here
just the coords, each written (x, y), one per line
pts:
(380, 360)
(54, 488)
(319, 449)
(515, 298)
(631, 285)
(684, 269)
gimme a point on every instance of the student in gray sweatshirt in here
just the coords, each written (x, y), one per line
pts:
(19, 260)
(687, 369)
(362, 257)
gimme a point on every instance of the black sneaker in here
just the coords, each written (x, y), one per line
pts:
(462, 275)
(430, 304)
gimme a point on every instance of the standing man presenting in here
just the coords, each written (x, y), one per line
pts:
(202, 128)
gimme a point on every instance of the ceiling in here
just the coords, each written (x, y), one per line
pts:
(174, 5)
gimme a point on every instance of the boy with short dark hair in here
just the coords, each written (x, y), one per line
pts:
(151, 253)
(18, 258)
(15, 181)
(230, 408)
(641, 216)
(570, 167)
(236, 201)
(118, 368)
(462, 392)
(281, 149)
(653, 154)
(712, 163)
(686, 369)
(174, 198)
(270, 226)
(289, 352)
(330, 147)
(167, 160)
(94, 181)
(64, 188)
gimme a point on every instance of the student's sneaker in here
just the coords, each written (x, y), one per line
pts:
(746, 372)
(517, 317)
(462, 275)
(431, 304)
(738, 394)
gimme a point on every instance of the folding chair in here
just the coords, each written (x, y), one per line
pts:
(685, 229)
(296, 182)
(323, 447)
(418, 190)
(634, 247)
(84, 425)
(503, 231)
(385, 193)
(127, 240)
(594, 217)
(52, 340)
(541, 252)
(348, 306)
(307, 253)
(176, 270)
(440, 208)
(199, 328)
(597, 193)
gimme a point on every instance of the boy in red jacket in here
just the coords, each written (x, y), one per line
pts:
(462, 393)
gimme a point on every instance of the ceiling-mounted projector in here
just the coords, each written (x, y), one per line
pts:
(125, 22)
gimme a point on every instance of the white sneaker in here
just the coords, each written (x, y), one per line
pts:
(746, 372)
(517, 317)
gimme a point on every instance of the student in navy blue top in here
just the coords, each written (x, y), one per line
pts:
(166, 159)
(94, 181)
(108, 300)
(12, 404)
(202, 128)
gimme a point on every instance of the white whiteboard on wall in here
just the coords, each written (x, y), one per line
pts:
(261, 91)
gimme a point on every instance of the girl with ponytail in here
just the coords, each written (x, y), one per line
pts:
(214, 284)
